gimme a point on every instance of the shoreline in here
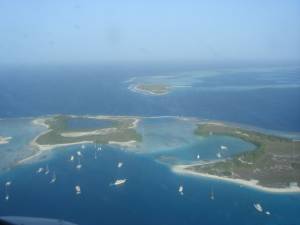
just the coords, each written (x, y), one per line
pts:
(182, 169)
(34, 144)
(42, 148)
(135, 123)
(124, 144)
(294, 135)
(136, 89)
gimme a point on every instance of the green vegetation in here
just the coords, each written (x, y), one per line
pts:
(121, 130)
(274, 163)
(156, 89)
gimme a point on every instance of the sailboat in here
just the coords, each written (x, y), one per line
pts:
(39, 170)
(258, 207)
(180, 189)
(223, 147)
(78, 190)
(7, 184)
(212, 196)
(53, 178)
(119, 182)
(47, 170)
(78, 166)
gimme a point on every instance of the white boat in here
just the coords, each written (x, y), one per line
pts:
(99, 148)
(198, 156)
(212, 196)
(53, 178)
(78, 166)
(6, 197)
(268, 213)
(79, 153)
(72, 158)
(180, 189)
(258, 207)
(8, 183)
(223, 147)
(82, 146)
(120, 164)
(219, 155)
(78, 190)
(39, 170)
(119, 182)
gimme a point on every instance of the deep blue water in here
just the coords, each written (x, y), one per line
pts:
(150, 195)
(90, 90)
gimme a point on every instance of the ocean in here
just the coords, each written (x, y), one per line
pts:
(267, 99)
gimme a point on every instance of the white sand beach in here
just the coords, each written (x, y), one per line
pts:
(128, 144)
(182, 169)
(135, 88)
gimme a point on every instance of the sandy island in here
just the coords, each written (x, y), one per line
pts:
(42, 122)
(126, 144)
(182, 169)
(103, 131)
(137, 89)
(179, 169)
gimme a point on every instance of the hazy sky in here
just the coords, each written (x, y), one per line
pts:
(89, 31)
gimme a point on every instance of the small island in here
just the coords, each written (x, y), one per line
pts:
(274, 165)
(4, 140)
(65, 130)
(151, 89)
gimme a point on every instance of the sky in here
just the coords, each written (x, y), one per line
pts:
(95, 31)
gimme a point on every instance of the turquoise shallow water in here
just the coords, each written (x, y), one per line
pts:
(22, 131)
(174, 138)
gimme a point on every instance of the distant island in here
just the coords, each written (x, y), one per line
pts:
(273, 166)
(4, 140)
(151, 89)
